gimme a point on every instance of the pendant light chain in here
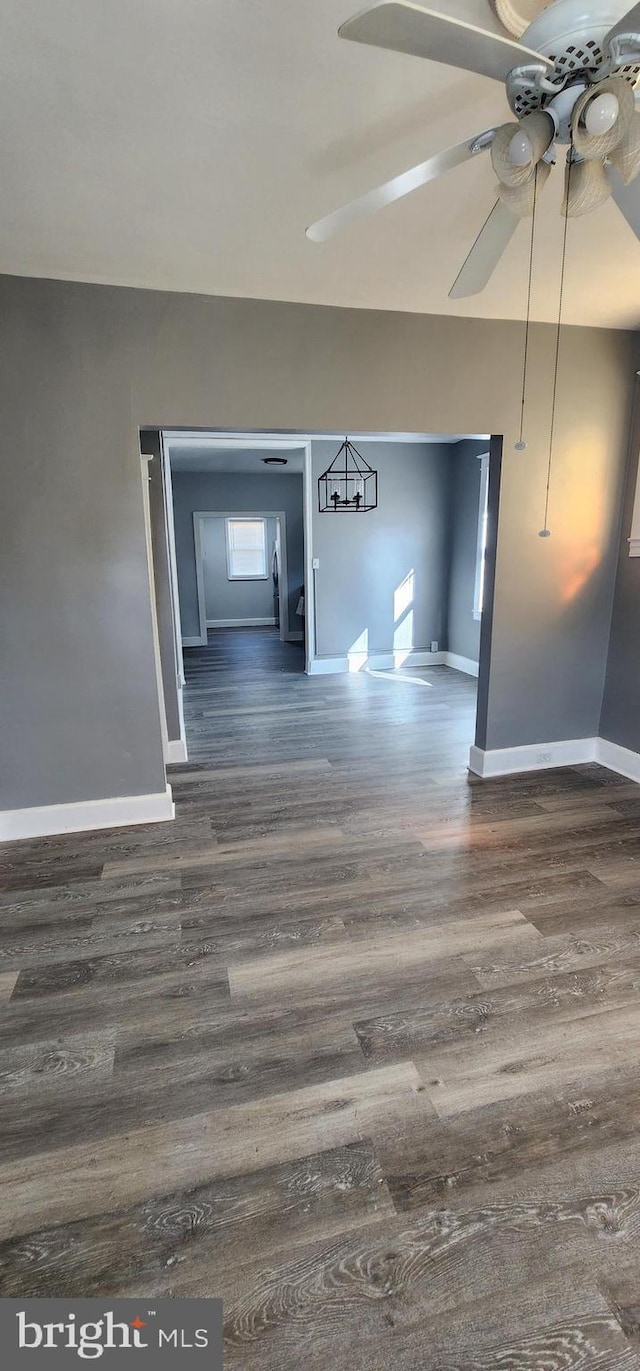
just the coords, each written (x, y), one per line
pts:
(521, 445)
(544, 531)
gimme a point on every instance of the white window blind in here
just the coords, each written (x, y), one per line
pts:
(246, 549)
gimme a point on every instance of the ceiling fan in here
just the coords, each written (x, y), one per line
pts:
(570, 78)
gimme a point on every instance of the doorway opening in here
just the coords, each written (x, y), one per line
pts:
(397, 598)
(242, 578)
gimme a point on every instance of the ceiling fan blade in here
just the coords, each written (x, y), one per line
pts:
(398, 186)
(486, 252)
(630, 23)
(627, 199)
(404, 27)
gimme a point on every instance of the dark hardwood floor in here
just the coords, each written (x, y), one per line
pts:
(353, 1043)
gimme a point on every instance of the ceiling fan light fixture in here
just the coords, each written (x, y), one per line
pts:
(626, 157)
(592, 112)
(520, 150)
(512, 165)
(601, 113)
(520, 199)
(506, 170)
(565, 98)
(586, 187)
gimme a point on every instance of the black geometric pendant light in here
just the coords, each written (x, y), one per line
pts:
(349, 485)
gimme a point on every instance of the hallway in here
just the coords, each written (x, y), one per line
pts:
(352, 1043)
(249, 701)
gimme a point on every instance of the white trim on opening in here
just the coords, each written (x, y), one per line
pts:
(239, 442)
(199, 517)
(481, 541)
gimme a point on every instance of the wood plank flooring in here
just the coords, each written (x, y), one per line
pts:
(353, 1043)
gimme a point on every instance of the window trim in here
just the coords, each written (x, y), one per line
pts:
(481, 536)
(248, 519)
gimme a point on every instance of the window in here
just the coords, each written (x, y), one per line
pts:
(246, 549)
(481, 545)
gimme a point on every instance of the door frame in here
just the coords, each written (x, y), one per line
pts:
(257, 442)
(164, 575)
(278, 515)
(144, 474)
(173, 564)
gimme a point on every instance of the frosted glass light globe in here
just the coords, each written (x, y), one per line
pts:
(520, 149)
(601, 114)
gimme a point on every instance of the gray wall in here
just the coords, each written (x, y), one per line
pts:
(365, 558)
(85, 366)
(620, 720)
(79, 715)
(247, 493)
(463, 631)
(225, 599)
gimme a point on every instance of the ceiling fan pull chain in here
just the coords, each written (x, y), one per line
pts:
(545, 532)
(521, 445)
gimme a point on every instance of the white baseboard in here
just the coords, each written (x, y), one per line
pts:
(617, 758)
(373, 661)
(194, 642)
(508, 761)
(83, 815)
(327, 666)
(176, 751)
(241, 623)
(296, 637)
(388, 661)
(458, 663)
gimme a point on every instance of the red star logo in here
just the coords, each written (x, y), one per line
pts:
(138, 1322)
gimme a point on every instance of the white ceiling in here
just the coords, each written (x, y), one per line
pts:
(201, 457)
(186, 144)
(206, 452)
